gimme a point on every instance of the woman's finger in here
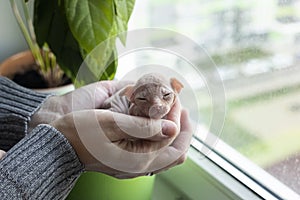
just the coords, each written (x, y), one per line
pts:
(118, 126)
(185, 124)
(113, 86)
(105, 89)
(2, 154)
(178, 148)
(93, 95)
(138, 127)
(175, 112)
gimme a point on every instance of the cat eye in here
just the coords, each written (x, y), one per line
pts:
(141, 99)
(167, 95)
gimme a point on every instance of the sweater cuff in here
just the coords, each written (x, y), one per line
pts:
(41, 166)
(19, 100)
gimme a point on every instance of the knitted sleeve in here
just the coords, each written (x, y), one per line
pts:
(38, 165)
(43, 165)
(17, 105)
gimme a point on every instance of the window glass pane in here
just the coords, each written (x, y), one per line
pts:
(256, 48)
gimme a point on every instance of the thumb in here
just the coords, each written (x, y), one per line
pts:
(169, 128)
(2, 154)
(119, 126)
(137, 127)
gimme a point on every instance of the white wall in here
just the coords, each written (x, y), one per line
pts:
(11, 38)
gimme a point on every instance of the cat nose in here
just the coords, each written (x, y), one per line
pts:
(157, 111)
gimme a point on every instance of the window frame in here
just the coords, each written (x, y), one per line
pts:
(223, 173)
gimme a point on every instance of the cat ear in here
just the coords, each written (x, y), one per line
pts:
(127, 91)
(176, 85)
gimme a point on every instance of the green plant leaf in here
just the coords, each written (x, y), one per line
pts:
(78, 30)
(51, 27)
(90, 21)
(111, 68)
(123, 9)
(86, 76)
(121, 18)
(92, 24)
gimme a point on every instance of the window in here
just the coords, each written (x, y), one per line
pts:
(255, 47)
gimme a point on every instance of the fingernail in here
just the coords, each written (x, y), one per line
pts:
(169, 128)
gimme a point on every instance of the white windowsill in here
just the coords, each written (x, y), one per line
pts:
(216, 177)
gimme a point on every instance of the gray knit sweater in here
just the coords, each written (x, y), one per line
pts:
(40, 164)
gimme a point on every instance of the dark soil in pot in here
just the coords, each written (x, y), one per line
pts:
(33, 80)
(30, 79)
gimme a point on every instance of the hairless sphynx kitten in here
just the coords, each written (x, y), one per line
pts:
(151, 96)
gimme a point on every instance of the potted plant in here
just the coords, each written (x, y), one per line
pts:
(56, 35)
(35, 68)
(61, 35)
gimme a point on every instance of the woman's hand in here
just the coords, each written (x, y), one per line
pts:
(126, 146)
(119, 145)
(178, 147)
(88, 97)
(2, 154)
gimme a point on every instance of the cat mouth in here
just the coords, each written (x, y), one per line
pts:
(157, 112)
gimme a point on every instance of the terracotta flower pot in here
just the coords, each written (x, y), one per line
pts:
(22, 62)
(18, 63)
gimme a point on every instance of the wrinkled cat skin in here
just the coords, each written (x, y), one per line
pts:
(151, 96)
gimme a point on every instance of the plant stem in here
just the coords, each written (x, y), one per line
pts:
(30, 38)
(29, 21)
